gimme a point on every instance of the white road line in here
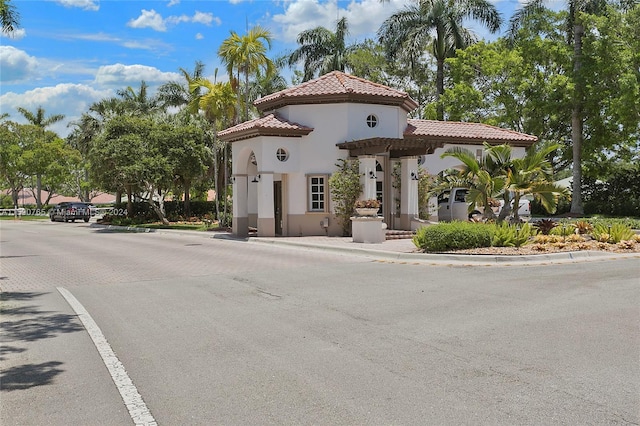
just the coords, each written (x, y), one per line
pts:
(138, 410)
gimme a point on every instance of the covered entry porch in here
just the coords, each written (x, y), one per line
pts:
(389, 170)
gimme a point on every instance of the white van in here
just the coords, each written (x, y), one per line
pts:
(452, 205)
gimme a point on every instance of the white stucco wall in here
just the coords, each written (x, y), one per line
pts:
(434, 164)
(317, 152)
(333, 124)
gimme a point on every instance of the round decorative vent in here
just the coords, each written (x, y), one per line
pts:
(282, 154)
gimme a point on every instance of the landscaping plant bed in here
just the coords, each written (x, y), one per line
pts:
(531, 249)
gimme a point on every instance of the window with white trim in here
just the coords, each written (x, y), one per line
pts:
(317, 193)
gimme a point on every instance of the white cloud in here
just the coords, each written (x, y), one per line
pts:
(148, 19)
(119, 75)
(71, 100)
(199, 36)
(83, 4)
(17, 34)
(173, 3)
(152, 19)
(205, 18)
(363, 16)
(17, 65)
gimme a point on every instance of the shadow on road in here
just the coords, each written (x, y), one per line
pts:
(23, 323)
(29, 323)
(29, 375)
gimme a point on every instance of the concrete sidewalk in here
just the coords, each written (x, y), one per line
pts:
(399, 250)
(403, 250)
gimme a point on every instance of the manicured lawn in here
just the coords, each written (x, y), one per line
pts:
(25, 217)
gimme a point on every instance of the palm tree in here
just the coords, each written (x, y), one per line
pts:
(485, 176)
(176, 94)
(575, 33)
(437, 23)
(38, 119)
(81, 138)
(533, 175)
(9, 16)
(217, 105)
(267, 84)
(498, 175)
(322, 50)
(246, 55)
(138, 102)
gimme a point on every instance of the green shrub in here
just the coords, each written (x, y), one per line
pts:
(632, 223)
(173, 209)
(616, 194)
(505, 235)
(563, 229)
(452, 236)
(612, 234)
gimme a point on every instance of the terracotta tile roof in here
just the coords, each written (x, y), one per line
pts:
(269, 125)
(336, 87)
(465, 133)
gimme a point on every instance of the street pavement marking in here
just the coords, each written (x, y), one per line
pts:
(138, 410)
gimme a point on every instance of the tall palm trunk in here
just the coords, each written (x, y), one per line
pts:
(577, 207)
(246, 94)
(439, 88)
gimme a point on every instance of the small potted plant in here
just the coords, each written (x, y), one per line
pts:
(367, 207)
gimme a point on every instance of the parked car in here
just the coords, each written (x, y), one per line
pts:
(70, 211)
(452, 205)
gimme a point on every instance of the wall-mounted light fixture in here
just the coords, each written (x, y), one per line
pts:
(372, 175)
(256, 179)
(414, 175)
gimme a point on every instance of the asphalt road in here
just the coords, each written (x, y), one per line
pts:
(237, 333)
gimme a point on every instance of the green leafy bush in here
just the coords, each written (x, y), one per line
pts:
(632, 223)
(452, 236)
(563, 229)
(173, 209)
(612, 234)
(505, 235)
(616, 194)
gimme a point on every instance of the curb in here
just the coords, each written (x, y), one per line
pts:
(418, 258)
(116, 228)
(461, 259)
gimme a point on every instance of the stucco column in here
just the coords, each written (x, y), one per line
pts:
(240, 225)
(266, 214)
(368, 176)
(408, 191)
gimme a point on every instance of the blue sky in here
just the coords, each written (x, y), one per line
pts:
(68, 54)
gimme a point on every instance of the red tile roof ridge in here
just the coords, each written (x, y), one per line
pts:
(334, 84)
(270, 124)
(448, 124)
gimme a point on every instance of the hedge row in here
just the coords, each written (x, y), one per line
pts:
(453, 236)
(173, 209)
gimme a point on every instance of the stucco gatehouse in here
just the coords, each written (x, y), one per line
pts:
(282, 161)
